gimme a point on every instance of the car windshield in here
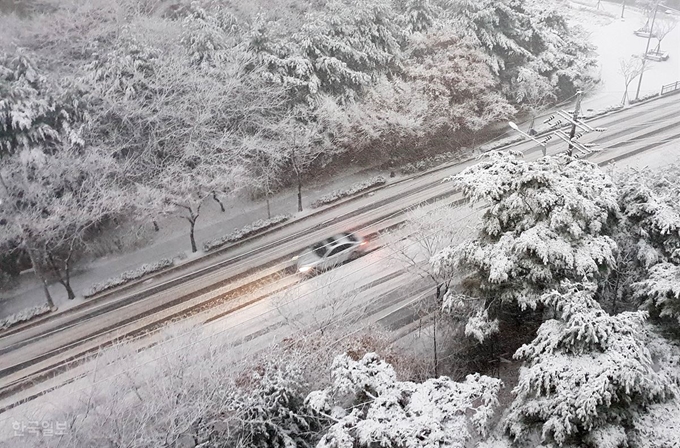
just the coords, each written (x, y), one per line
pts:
(319, 249)
(351, 237)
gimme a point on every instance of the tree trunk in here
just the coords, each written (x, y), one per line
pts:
(269, 210)
(39, 275)
(69, 290)
(192, 223)
(299, 182)
(216, 199)
(64, 279)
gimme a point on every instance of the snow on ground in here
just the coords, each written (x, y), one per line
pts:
(615, 40)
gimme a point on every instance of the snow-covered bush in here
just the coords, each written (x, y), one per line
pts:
(587, 374)
(370, 407)
(430, 162)
(24, 315)
(340, 194)
(268, 409)
(129, 276)
(645, 97)
(244, 232)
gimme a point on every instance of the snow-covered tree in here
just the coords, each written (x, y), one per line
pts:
(54, 198)
(339, 49)
(35, 123)
(529, 34)
(454, 77)
(307, 149)
(587, 374)
(417, 15)
(652, 229)
(629, 70)
(369, 407)
(662, 27)
(30, 115)
(269, 409)
(182, 186)
(546, 221)
(264, 161)
(426, 231)
(180, 104)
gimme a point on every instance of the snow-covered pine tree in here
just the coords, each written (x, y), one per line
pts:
(546, 221)
(370, 407)
(452, 73)
(652, 228)
(209, 35)
(418, 16)
(530, 35)
(269, 409)
(588, 375)
(351, 43)
(30, 115)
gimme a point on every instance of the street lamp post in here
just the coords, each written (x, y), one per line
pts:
(644, 56)
(544, 148)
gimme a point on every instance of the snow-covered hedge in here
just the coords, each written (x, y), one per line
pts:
(645, 97)
(128, 276)
(431, 162)
(24, 315)
(250, 229)
(340, 194)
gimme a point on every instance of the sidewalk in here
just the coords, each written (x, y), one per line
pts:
(172, 240)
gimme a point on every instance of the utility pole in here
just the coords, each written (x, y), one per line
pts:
(577, 109)
(623, 8)
(644, 56)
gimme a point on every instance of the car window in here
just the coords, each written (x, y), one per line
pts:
(319, 249)
(330, 241)
(350, 236)
(340, 248)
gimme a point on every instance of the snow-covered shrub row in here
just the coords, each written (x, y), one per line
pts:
(128, 276)
(340, 194)
(24, 315)
(244, 232)
(431, 162)
(645, 97)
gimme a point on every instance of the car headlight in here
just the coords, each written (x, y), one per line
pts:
(304, 269)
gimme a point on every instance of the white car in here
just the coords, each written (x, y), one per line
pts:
(330, 252)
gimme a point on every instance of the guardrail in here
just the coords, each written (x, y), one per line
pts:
(670, 87)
